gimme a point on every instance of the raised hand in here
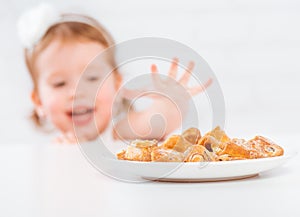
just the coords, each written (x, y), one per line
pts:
(169, 86)
(170, 103)
(68, 138)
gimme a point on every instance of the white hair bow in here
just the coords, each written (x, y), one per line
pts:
(34, 23)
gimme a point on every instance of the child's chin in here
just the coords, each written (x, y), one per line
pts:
(86, 136)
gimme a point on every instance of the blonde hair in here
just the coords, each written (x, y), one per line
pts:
(71, 27)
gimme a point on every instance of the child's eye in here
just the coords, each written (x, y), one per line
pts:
(59, 84)
(93, 78)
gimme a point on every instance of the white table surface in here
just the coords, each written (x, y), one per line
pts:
(56, 180)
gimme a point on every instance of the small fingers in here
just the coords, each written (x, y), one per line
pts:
(154, 68)
(198, 89)
(61, 140)
(70, 138)
(187, 74)
(57, 140)
(67, 138)
(173, 69)
(155, 76)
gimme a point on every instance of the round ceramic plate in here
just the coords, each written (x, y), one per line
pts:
(192, 172)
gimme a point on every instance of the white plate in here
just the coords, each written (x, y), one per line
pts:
(191, 172)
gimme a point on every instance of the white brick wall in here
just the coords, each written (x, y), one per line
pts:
(252, 46)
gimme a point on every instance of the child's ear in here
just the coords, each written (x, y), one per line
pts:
(37, 103)
(35, 98)
(118, 79)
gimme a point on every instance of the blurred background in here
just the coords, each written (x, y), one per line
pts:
(253, 46)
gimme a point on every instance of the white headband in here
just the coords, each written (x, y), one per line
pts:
(34, 23)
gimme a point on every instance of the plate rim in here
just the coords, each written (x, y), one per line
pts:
(285, 156)
(174, 176)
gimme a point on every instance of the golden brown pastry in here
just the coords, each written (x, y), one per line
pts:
(170, 142)
(121, 155)
(138, 150)
(177, 143)
(198, 153)
(191, 147)
(215, 140)
(192, 135)
(254, 152)
(211, 143)
(264, 147)
(166, 155)
(227, 157)
(233, 151)
(217, 134)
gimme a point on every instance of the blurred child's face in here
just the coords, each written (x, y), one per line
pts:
(59, 67)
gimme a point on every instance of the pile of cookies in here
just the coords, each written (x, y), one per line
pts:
(190, 146)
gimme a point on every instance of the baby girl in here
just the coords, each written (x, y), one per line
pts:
(58, 49)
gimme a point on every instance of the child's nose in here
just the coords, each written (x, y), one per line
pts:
(75, 91)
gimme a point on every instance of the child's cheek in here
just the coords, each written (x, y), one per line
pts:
(52, 108)
(105, 97)
(51, 104)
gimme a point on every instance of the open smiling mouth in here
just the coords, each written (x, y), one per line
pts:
(81, 116)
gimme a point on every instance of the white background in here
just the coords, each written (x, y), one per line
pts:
(253, 46)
